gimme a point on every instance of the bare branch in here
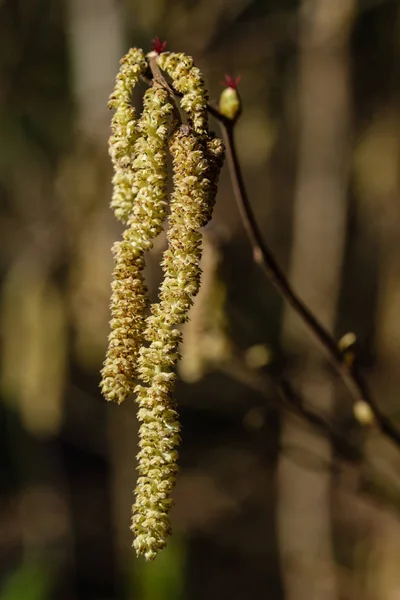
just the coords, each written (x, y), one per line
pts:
(264, 257)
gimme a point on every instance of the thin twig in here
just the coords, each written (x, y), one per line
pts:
(371, 481)
(289, 399)
(264, 257)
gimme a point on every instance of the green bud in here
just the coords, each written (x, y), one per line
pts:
(229, 103)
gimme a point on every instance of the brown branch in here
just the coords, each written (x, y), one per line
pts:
(264, 257)
(371, 481)
(280, 392)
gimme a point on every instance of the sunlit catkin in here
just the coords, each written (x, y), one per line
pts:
(147, 348)
(194, 178)
(124, 131)
(129, 294)
(188, 81)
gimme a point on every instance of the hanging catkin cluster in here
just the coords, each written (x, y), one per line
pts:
(144, 341)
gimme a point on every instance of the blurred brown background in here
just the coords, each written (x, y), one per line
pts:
(266, 506)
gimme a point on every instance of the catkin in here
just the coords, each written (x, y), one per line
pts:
(191, 206)
(129, 295)
(124, 131)
(188, 80)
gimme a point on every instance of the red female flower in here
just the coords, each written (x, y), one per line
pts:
(231, 82)
(158, 46)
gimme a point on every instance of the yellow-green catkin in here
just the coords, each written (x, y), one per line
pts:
(129, 295)
(124, 131)
(187, 80)
(196, 168)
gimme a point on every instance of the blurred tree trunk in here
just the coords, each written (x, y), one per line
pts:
(318, 243)
(378, 181)
(95, 38)
(388, 351)
(96, 45)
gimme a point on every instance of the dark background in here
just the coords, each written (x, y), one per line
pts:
(266, 506)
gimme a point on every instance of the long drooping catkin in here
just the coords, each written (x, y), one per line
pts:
(129, 294)
(195, 177)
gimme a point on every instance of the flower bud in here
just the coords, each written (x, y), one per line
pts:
(230, 105)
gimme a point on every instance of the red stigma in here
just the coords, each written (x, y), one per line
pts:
(231, 82)
(158, 46)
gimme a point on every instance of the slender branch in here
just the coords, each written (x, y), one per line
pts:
(291, 398)
(282, 394)
(265, 259)
(370, 480)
